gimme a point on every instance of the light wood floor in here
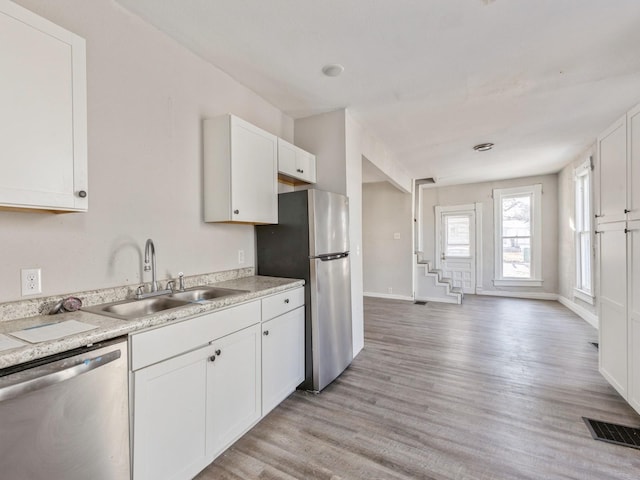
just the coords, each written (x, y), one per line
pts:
(491, 389)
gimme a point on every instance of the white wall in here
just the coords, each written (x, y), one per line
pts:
(353, 142)
(147, 97)
(387, 261)
(324, 136)
(482, 193)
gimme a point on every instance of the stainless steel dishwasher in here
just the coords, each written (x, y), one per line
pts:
(66, 417)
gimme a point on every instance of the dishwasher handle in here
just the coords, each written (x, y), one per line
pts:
(64, 373)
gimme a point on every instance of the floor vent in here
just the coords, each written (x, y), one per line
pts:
(420, 302)
(595, 344)
(612, 433)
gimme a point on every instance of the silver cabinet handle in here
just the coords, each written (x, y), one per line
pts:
(82, 193)
(286, 300)
(236, 212)
(265, 333)
(65, 373)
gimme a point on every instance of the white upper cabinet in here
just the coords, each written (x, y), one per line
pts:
(612, 169)
(633, 154)
(43, 119)
(240, 172)
(295, 165)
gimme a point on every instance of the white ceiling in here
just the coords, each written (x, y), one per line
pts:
(430, 79)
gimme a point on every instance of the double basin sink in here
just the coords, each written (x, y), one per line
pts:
(132, 308)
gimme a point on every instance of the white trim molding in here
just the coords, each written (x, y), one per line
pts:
(535, 191)
(583, 229)
(586, 315)
(389, 296)
(522, 282)
(529, 295)
(479, 267)
(586, 297)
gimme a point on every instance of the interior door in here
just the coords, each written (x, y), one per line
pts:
(457, 247)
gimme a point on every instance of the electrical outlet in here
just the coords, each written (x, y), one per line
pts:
(390, 290)
(396, 236)
(240, 257)
(31, 281)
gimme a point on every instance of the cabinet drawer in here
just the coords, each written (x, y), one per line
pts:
(282, 302)
(170, 340)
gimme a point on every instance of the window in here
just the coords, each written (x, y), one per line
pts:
(584, 277)
(518, 236)
(457, 236)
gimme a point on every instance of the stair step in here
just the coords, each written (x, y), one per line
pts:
(444, 289)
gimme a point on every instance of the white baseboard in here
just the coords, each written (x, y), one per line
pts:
(586, 315)
(388, 295)
(529, 295)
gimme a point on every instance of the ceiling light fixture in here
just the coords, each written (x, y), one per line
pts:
(332, 70)
(483, 147)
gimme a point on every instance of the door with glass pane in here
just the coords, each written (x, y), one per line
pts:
(456, 246)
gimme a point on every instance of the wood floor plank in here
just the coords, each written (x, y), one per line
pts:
(491, 389)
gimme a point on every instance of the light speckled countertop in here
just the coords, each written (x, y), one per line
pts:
(108, 327)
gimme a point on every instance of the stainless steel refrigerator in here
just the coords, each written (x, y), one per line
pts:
(311, 241)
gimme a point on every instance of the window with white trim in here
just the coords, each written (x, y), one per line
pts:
(518, 234)
(584, 271)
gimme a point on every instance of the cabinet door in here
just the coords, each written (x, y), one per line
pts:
(233, 388)
(633, 241)
(306, 166)
(43, 130)
(633, 153)
(294, 164)
(613, 305)
(254, 183)
(169, 417)
(282, 357)
(612, 169)
(286, 158)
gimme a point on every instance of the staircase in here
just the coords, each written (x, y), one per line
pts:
(431, 286)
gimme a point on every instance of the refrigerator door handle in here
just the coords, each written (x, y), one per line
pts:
(333, 256)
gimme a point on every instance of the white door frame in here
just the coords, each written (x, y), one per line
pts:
(476, 209)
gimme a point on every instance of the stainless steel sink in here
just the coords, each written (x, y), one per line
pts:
(198, 294)
(130, 309)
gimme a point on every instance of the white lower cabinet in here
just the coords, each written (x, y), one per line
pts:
(188, 409)
(282, 357)
(170, 407)
(613, 304)
(633, 301)
(233, 388)
(199, 384)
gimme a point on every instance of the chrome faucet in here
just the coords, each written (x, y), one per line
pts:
(150, 264)
(150, 249)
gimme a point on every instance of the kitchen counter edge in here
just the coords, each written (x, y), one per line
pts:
(108, 327)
